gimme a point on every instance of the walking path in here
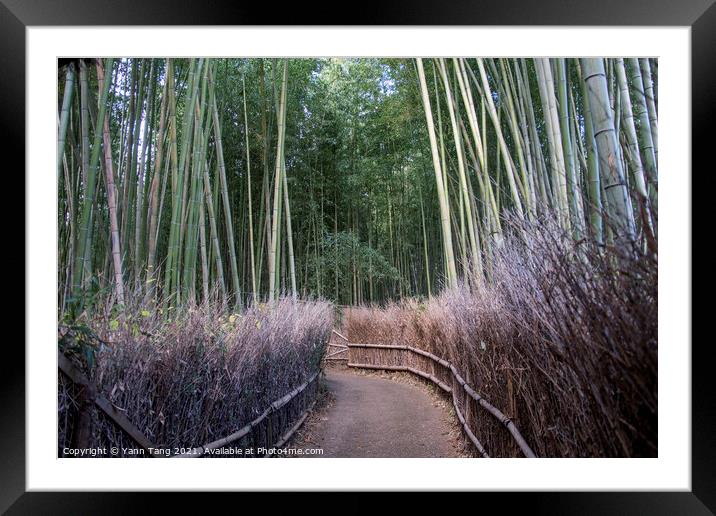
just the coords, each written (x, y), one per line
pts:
(376, 417)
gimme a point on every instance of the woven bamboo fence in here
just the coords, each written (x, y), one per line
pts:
(271, 429)
(466, 401)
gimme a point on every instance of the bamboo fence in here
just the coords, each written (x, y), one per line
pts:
(280, 420)
(441, 373)
(271, 429)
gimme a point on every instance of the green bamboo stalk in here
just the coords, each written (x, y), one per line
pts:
(650, 95)
(594, 188)
(278, 183)
(111, 201)
(619, 203)
(443, 153)
(153, 214)
(83, 255)
(444, 172)
(84, 120)
(289, 233)
(518, 92)
(565, 132)
(481, 169)
(254, 290)
(131, 174)
(142, 178)
(195, 191)
(65, 115)
(629, 129)
(202, 244)
(646, 140)
(214, 233)
(264, 199)
(225, 198)
(541, 171)
(475, 261)
(506, 92)
(442, 198)
(170, 283)
(509, 168)
(545, 82)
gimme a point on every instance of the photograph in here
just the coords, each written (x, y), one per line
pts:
(416, 249)
(357, 257)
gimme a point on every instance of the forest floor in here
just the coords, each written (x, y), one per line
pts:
(371, 415)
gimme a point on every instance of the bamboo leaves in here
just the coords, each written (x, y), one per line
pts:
(421, 174)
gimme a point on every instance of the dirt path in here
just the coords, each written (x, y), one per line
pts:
(376, 417)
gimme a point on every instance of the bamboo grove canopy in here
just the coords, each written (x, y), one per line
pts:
(356, 180)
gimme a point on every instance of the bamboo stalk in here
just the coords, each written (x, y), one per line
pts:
(594, 181)
(629, 129)
(254, 289)
(171, 268)
(475, 259)
(84, 247)
(646, 139)
(619, 203)
(509, 167)
(225, 199)
(153, 214)
(112, 201)
(442, 197)
(65, 115)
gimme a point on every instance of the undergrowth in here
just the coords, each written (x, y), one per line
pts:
(196, 377)
(562, 338)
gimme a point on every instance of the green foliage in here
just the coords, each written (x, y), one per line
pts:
(358, 165)
(81, 342)
(345, 250)
(77, 306)
(345, 254)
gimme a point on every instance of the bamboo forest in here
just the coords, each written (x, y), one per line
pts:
(230, 229)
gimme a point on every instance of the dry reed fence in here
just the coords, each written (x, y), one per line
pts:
(443, 374)
(196, 384)
(562, 339)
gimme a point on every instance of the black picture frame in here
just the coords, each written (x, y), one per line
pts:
(700, 15)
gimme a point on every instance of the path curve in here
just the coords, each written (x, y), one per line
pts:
(376, 417)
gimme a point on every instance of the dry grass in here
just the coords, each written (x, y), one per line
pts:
(200, 376)
(563, 339)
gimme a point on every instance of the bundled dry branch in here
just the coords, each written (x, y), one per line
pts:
(202, 376)
(563, 341)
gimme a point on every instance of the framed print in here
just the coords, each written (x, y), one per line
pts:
(417, 252)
